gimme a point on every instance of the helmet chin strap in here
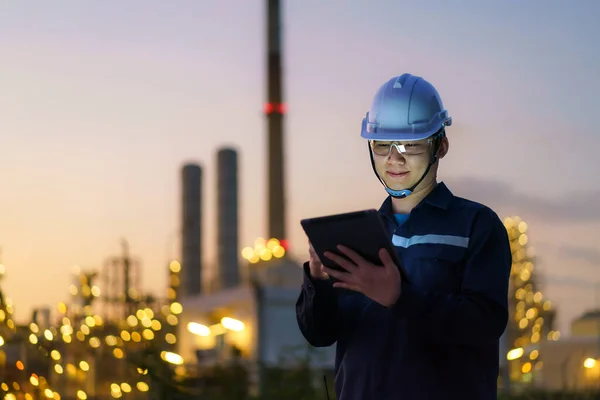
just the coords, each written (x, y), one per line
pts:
(401, 194)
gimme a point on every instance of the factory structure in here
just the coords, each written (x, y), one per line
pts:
(248, 311)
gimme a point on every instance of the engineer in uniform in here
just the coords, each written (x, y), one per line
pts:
(437, 336)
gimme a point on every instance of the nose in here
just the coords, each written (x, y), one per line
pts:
(395, 155)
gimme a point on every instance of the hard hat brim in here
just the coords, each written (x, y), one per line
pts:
(401, 135)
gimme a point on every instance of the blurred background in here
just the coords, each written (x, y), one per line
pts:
(156, 159)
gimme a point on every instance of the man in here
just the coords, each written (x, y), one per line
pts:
(436, 336)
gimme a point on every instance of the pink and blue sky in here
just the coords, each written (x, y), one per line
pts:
(102, 102)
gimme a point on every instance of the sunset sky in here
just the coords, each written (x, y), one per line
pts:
(102, 102)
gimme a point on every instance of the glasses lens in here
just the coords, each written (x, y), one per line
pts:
(382, 148)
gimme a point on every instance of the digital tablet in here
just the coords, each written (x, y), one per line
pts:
(362, 231)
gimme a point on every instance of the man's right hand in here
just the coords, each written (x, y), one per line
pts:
(316, 267)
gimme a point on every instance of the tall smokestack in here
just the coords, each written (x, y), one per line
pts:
(191, 229)
(275, 109)
(227, 218)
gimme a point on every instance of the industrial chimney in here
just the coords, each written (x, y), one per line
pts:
(191, 230)
(227, 218)
(275, 109)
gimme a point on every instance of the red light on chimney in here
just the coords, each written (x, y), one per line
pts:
(279, 108)
(269, 108)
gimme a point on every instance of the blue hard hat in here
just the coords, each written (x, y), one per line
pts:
(406, 107)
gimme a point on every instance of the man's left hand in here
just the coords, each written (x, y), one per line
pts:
(380, 283)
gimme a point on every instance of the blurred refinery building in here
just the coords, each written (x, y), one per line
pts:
(533, 353)
(247, 312)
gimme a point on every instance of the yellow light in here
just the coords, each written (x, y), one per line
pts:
(84, 366)
(156, 325)
(526, 367)
(73, 290)
(89, 321)
(34, 328)
(80, 336)
(142, 371)
(142, 386)
(33, 339)
(136, 337)
(1, 341)
(125, 336)
(247, 253)
(118, 353)
(132, 321)
(589, 363)
(265, 254)
(4, 386)
(149, 313)
(272, 243)
(62, 308)
(534, 354)
(172, 358)
(66, 329)
(10, 396)
(81, 395)
(146, 322)
(111, 340)
(170, 338)
(58, 368)
(34, 380)
(176, 308)
(175, 266)
(85, 329)
(148, 334)
(278, 251)
(514, 353)
(48, 393)
(172, 320)
(95, 291)
(198, 329)
(140, 314)
(125, 387)
(523, 323)
(522, 227)
(95, 342)
(232, 324)
(55, 355)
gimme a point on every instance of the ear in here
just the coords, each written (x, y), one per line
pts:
(444, 147)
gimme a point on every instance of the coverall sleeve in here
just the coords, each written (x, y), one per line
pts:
(317, 311)
(479, 312)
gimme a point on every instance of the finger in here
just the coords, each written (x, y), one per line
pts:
(341, 261)
(388, 262)
(354, 256)
(349, 286)
(386, 259)
(340, 275)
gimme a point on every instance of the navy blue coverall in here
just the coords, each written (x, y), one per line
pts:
(440, 341)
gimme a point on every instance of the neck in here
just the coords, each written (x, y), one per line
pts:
(405, 205)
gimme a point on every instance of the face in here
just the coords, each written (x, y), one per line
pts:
(402, 169)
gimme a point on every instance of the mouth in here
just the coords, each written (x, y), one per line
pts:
(397, 175)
